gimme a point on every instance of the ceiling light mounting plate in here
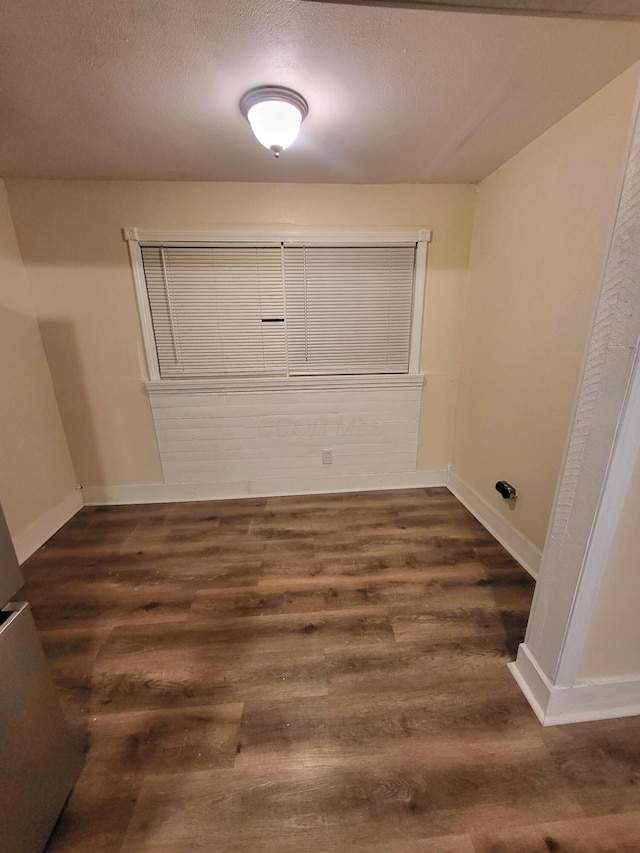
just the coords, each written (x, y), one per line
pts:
(273, 93)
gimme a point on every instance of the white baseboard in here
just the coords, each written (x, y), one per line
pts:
(595, 700)
(525, 552)
(168, 493)
(36, 534)
(532, 681)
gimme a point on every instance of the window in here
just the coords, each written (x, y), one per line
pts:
(296, 307)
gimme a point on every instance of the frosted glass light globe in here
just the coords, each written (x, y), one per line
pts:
(275, 124)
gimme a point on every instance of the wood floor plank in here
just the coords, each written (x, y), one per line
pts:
(109, 602)
(460, 622)
(607, 834)
(238, 604)
(355, 722)
(163, 741)
(394, 594)
(71, 654)
(445, 844)
(96, 816)
(208, 674)
(320, 803)
(408, 670)
(601, 762)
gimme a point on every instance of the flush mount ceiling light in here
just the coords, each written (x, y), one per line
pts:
(275, 115)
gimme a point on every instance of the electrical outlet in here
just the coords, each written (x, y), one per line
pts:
(327, 456)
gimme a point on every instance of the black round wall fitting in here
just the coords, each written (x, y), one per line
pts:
(507, 491)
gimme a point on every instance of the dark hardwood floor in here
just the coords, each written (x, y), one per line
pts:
(316, 674)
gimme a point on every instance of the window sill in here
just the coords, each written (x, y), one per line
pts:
(286, 383)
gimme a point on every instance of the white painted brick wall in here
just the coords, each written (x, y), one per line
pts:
(253, 437)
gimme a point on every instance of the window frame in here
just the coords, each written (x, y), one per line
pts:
(136, 237)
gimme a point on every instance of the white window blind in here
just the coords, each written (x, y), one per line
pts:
(272, 310)
(216, 311)
(349, 308)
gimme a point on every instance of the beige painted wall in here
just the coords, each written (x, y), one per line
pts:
(35, 466)
(71, 242)
(540, 237)
(613, 642)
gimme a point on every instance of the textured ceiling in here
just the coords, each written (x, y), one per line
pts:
(149, 89)
(625, 9)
